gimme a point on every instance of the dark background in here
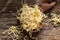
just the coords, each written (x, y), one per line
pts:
(7, 19)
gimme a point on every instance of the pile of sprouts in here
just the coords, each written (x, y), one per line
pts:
(30, 18)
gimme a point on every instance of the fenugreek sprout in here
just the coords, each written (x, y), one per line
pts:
(12, 32)
(30, 17)
(55, 19)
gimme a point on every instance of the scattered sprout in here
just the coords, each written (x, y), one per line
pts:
(55, 19)
(12, 32)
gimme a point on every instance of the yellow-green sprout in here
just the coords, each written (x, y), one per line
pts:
(30, 17)
(12, 32)
(55, 18)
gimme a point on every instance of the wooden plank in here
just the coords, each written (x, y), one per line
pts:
(6, 22)
(7, 15)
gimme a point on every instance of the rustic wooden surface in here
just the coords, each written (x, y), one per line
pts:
(7, 19)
